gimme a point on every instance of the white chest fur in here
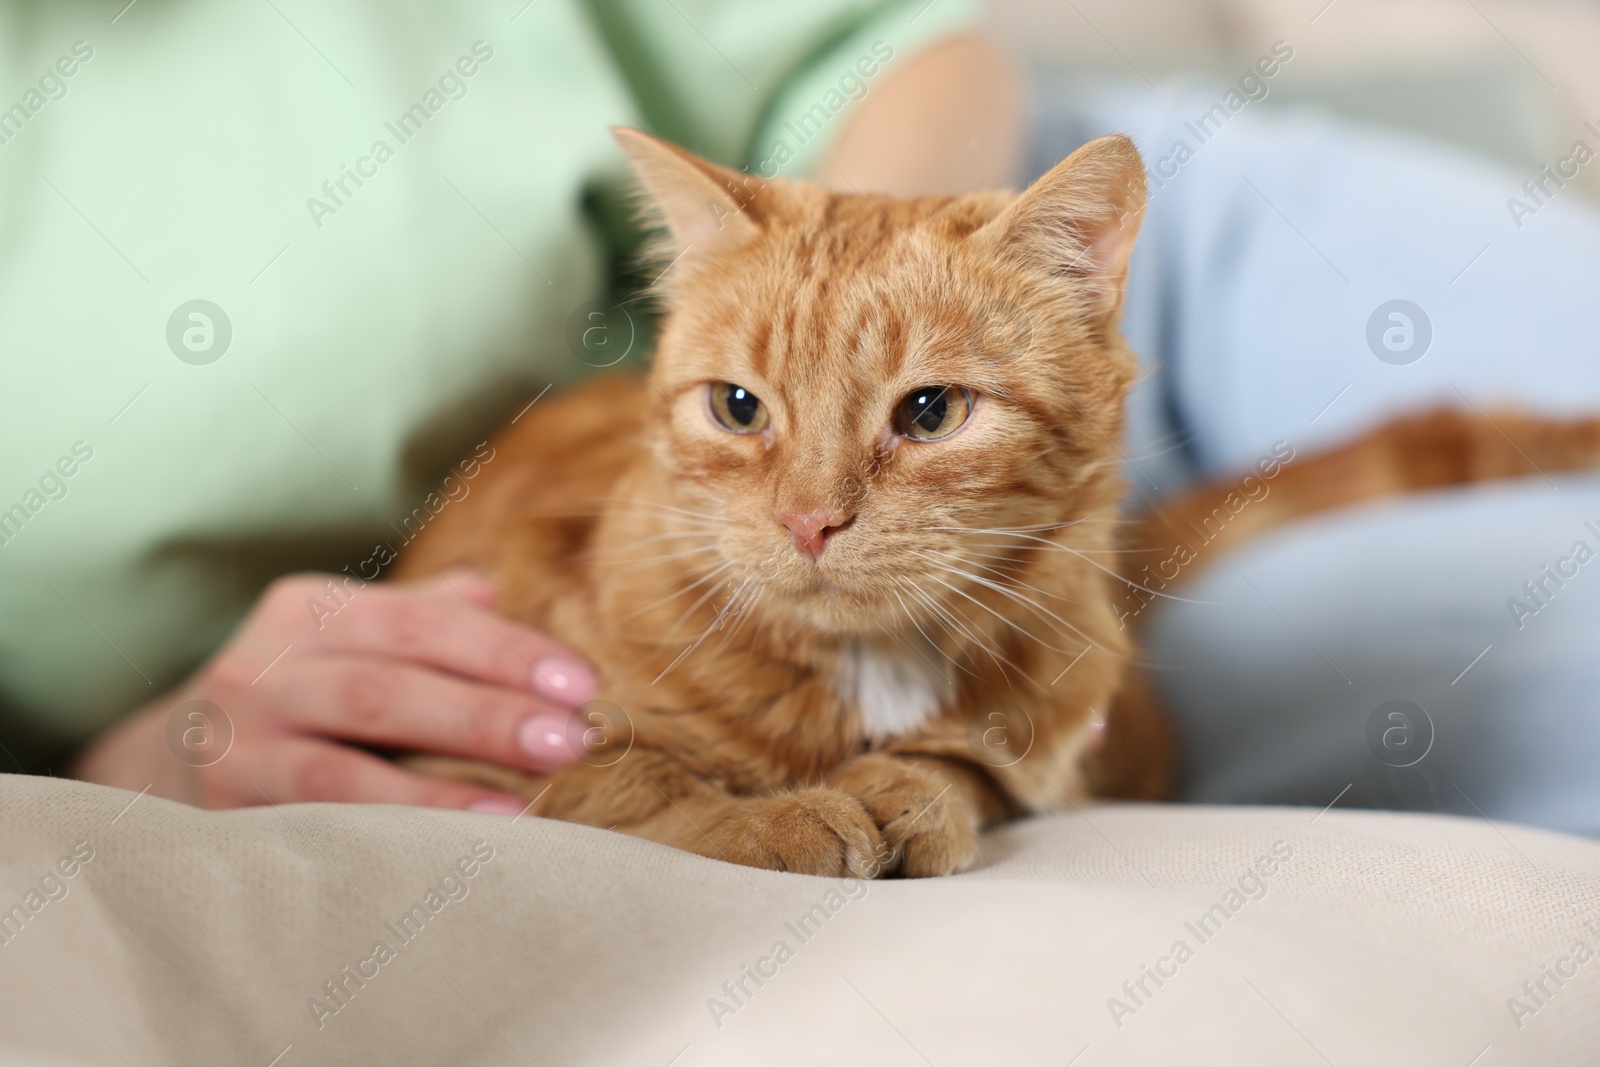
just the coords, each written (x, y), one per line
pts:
(894, 689)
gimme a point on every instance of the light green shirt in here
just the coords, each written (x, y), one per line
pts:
(393, 215)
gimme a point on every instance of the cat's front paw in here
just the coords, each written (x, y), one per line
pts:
(923, 818)
(810, 831)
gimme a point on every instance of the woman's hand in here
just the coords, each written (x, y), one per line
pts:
(425, 667)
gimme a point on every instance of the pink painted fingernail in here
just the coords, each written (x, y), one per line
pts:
(544, 738)
(497, 806)
(564, 681)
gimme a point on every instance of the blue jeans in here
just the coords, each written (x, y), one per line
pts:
(1300, 280)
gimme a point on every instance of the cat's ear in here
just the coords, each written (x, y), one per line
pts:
(703, 205)
(1081, 218)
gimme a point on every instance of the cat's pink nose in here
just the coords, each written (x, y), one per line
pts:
(811, 529)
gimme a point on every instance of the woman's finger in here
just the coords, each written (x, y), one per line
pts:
(379, 701)
(297, 770)
(455, 634)
(460, 581)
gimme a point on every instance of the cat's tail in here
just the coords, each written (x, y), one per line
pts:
(1178, 538)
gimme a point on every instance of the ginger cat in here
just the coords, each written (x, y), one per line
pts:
(842, 560)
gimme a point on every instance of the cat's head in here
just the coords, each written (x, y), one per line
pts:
(863, 402)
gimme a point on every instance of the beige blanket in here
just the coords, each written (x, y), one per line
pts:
(141, 931)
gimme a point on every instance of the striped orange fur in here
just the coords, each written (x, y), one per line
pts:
(949, 657)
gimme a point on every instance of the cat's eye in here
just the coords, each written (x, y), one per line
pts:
(737, 409)
(933, 412)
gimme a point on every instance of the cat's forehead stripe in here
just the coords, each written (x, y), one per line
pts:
(761, 345)
(851, 295)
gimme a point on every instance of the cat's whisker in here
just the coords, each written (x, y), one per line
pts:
(1091, 551)
(1035, 528)
(1130, 582)
(1010, 623)
(671, 535)
(671, 509)
(685, 522)
(1109, 551)
(656, 507)
(1020, 531)
(935, 615)
(683, 654)
(642, 560)
(951, 561)
(1032, 605)
(679, 536)
(716, 621)
(622, 508)
(707, 576)
(938, 611)
(711, 591)
(762, 622)
(958, 559)
(1098, 566)
(740, 616)
(671, 540)
(910, 615)
(960, 624)
(1010, 553)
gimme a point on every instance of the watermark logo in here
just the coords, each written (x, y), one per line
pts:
(1552, 178)
(1541, 589)
(738, 991)
(601, 333)
(1001, 735)
(339, 190)
(52, 887)
(600, 734)
(1399, 733)
(52, 86)
(1538, 991)
(1251, 886)
(452, 887)
(1252, 87)
(1253, 488)
(199, 733)
(1399, 332)
(199, 332)
(852, 85)
(1007, 330)
(52, 486)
